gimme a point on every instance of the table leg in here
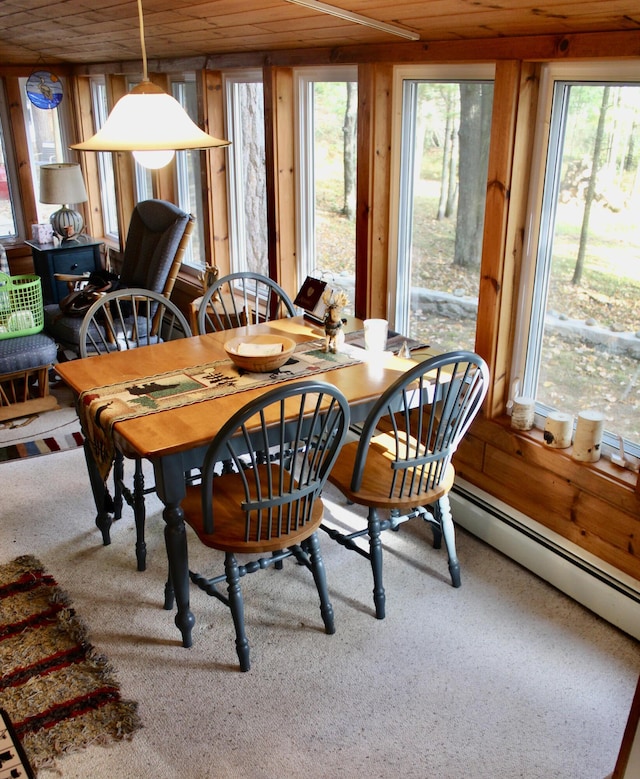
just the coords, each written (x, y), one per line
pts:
(178, 580)
(170, 486)
(101, 495)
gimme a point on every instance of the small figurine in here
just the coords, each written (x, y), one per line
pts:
(208, 276)
(334, 334)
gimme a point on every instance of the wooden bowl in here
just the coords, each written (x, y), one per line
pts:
(260, 363)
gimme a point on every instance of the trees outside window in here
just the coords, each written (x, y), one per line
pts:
(444, 152)
(244, 114)
(327, 126)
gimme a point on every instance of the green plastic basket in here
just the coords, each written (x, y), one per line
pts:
(21, 309)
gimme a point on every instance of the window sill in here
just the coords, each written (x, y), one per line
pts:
(603, 467)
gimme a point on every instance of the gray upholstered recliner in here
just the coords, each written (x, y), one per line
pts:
(156, 241)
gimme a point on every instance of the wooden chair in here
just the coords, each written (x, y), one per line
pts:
(127, 319)
(242, 298)
(402, 460)
(157, 239)
(274, 507)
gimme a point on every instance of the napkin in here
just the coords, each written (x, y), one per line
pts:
(258, 350)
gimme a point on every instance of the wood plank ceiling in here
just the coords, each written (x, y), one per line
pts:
(85, 31)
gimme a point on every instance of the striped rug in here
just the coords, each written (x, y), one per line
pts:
(41, 446)
(59, 693)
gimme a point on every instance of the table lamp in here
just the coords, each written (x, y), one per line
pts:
(62, 182)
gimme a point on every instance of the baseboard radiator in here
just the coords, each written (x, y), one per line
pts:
(600, 587)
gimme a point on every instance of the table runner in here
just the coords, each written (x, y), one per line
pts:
(99, 409)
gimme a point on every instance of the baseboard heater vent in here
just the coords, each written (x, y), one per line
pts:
(600, 587)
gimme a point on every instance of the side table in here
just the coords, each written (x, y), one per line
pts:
(73, 256)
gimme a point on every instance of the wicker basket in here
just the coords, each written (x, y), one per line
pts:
(21, 309)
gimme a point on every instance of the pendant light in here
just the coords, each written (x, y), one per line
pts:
(149, 122)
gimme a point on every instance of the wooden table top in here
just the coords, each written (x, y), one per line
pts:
(179, 429)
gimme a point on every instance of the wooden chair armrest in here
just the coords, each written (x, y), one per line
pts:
(73, 280)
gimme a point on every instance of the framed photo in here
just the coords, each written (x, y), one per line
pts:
(310, 298)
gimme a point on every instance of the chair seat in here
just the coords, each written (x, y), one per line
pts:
(26, 353)
(375, 489)
(229, 526)
(65, 329)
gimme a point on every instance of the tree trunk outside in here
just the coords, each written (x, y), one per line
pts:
(591, 189)
(475, 100)
(445, 180)
(350, 132)
(254, 178)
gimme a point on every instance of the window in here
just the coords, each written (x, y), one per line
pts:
(8, 217)
(143, 176)
(47, 139)
(189, 182)
(582, 350)
(105, 161)
(327, 117)
(244, 115)
(443, 127)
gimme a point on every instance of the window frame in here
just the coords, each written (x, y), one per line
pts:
(11, 170)
(401, 165)
(235, 183)
(105, 166)
(531, 304)
(304, 79)
(181, 163)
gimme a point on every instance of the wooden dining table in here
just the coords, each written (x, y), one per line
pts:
(175, 440)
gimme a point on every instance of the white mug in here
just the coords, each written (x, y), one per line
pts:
(375, 334)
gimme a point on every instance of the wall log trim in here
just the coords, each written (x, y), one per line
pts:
(595, 506)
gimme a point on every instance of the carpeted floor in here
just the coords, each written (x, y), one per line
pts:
(53, 431)
(504, 677)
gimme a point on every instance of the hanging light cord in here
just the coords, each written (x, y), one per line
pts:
(142, 44)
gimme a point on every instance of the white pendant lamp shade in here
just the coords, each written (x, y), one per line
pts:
(148, 119)
(62, 183)
(149, 122)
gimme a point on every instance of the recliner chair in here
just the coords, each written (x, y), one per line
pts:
(157, 238)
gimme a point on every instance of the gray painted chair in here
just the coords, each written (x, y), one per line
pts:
(402, 461)
(128, 319)
(242, 298)
(274, 507)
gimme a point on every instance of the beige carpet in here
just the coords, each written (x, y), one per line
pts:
(502, 678)
(58, 423)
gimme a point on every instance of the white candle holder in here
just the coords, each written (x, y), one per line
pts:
(588, 439)
(558, 429)
(523, 413)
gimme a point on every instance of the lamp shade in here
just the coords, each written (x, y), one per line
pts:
(148, 119)
(62, 183)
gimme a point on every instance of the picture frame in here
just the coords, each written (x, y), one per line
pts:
(309, 298)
